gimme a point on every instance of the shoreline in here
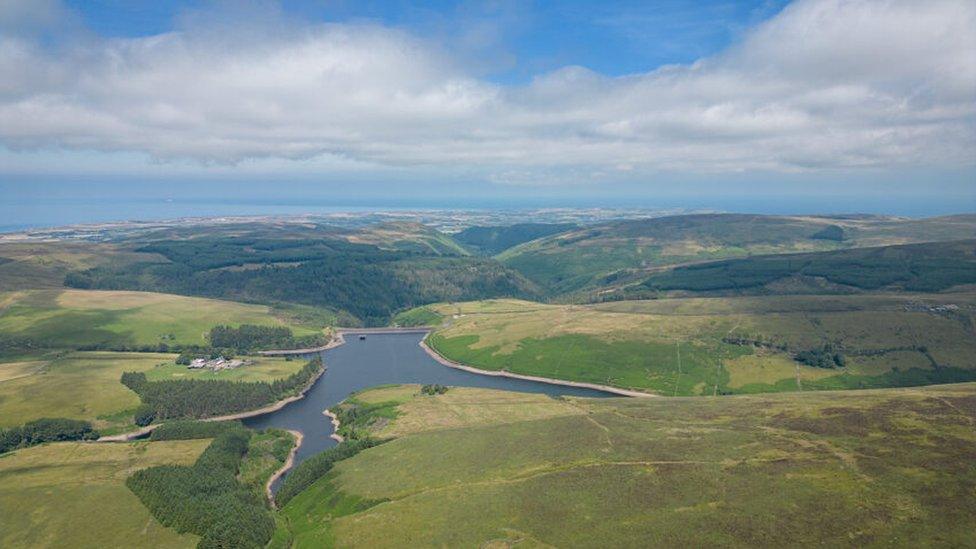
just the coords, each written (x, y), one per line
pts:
(273, 407)
(335, 425)
(284, 467)
(500, 373)
(336, 341)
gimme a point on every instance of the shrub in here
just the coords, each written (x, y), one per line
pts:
(434, 389)
(144, 415)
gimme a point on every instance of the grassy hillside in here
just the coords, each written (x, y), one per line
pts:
(928, 267)
(83, 318)
(408, 237)
(86, 385)
(32, 264)
(722, 345)
(865, 468)
(72, 494)
(491, 240)
(606, 253)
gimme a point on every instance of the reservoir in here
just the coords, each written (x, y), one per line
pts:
(377, 360)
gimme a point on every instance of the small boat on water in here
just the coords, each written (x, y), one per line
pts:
(362, 337)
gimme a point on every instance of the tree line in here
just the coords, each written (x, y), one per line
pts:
(186, 429)
(45, 430)
(247, 338)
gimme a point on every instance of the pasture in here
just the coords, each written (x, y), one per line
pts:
(44, 264)
(120, 319)
(85, 385)
(847, 469)
(72, 494)
(710, 346)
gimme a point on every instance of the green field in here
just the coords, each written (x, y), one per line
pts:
(708, 346)
(851, 469)
(80, 318)
(73, 494)
(85, 385)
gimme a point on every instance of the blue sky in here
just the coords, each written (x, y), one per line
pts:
(522, 38)
(812, 101)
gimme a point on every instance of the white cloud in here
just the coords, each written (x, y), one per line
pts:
(825, 84)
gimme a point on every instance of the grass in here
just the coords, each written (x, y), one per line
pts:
(77, 386)
(408, 236)
(689, 346)
(266, 453)
(258, 369)
(85, 385)
(74, 495)
(45, 264)
(78, 318)
(416, 413)
(420, 316)
(861, 468)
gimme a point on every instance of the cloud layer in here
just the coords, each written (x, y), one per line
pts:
(825, 84)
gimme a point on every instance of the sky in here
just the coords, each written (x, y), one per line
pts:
(833, 105)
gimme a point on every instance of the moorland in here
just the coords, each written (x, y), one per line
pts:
(795, 352)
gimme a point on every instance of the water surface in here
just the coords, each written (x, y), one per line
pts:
(378, 360)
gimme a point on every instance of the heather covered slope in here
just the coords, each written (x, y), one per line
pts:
(854, 469)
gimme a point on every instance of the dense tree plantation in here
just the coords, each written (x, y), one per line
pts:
(248, 338)
(45, 430)
(206, 498)
(927, 267)
(366, 281)
(199, 398)
(190, 429)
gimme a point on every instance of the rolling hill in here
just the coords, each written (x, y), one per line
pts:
(928, 267)
(73, 319)
(364, 275)
(491, 240)
(710, 346)
(854, 469)
(608, 253)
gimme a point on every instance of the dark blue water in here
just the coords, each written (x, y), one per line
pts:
(378, 360)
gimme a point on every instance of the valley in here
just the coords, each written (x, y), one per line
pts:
(780, 351)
